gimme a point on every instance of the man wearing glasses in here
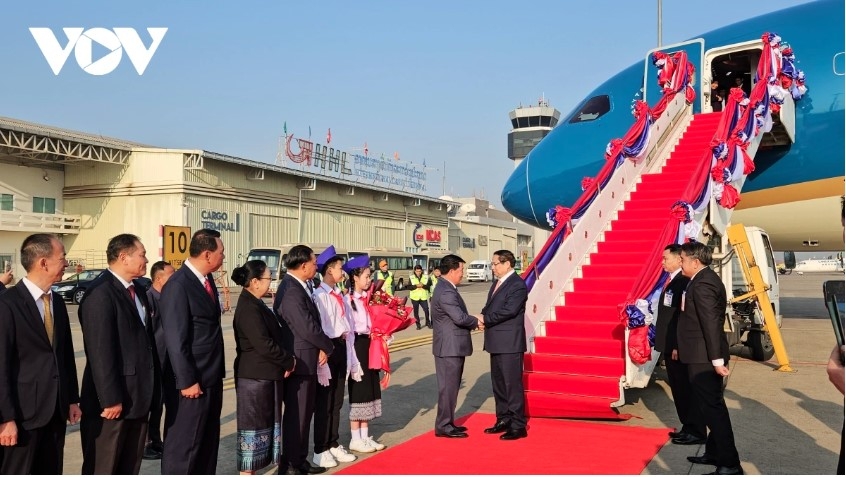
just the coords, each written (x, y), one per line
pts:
(505, 340)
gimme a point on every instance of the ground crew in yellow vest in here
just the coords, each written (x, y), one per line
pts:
(387, 276)
(419, 295)
(434, 277)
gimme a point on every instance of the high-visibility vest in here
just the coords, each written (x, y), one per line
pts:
(419, 294)
(434, 284)
(388, 286)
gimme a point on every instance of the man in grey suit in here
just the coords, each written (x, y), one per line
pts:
(505, 340)
(450, 344)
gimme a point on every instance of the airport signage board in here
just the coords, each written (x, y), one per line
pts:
(330, 162)
(221, 221)
(429, 237)
(175, 242)
(467, 242)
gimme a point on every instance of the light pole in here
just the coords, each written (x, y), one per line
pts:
(659, 24)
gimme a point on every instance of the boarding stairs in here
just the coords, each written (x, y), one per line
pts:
(578, 364)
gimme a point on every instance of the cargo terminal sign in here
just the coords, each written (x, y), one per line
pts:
(220, 220)
(330, 162)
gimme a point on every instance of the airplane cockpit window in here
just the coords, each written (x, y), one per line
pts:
(592, 109)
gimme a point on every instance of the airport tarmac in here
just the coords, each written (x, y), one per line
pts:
(784, 423)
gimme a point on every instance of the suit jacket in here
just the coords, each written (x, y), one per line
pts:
(119, 361)
(191, 323)
(260, 353)
(34, 377)
(451, 323)
(666, 324)
(700, 332)
(301, 326)
(505, 314)
(154, 326)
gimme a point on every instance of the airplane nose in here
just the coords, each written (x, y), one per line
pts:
(516, 197)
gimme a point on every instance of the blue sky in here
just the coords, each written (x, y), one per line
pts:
(430, 80)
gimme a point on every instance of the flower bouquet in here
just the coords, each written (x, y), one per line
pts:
(388, 314)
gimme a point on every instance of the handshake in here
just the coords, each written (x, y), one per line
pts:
(481, 322)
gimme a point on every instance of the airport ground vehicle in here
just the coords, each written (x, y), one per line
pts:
(479, 270)
(274, 257)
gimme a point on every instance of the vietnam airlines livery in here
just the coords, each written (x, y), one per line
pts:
(796, 189)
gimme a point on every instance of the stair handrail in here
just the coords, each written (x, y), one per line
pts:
(721, 172)
(571, 254)
(675, 79)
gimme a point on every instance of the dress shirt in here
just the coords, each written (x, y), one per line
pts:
(361, 319)
(37, 293)
(333, 311)
(203, 279)
(141, 311)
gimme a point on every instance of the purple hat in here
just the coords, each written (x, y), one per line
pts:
(325, 256)
(357, 262)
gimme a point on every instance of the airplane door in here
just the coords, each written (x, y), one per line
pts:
(695, 50)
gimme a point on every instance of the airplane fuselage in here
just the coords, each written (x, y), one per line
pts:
(794, 192)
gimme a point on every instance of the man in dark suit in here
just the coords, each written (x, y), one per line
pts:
(160, 272)
(39, 391)
(303, 332)
(190, 314)
(118, 382)
(666, 342)
(505, 340)
(703, 347)
(451, 343)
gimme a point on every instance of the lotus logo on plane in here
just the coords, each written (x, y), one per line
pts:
(81, 41)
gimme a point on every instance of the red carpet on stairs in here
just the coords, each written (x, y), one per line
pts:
(576, 367)
(553, 447)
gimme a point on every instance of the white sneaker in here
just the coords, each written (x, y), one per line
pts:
(361, 445)
(341, 455)
(372, 443)
(324, 459)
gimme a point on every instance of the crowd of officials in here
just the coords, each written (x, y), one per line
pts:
(149, 350)
(158, 352)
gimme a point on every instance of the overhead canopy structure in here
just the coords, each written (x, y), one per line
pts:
(50, 145)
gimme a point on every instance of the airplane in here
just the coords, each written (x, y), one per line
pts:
(796, 190)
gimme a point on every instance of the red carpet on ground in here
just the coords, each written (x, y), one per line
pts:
(553, 447)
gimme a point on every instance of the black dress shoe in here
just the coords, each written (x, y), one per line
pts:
(429, 326)
(307, 468)
(157, 446)
(455, 433)
(514, 434)
(675, 435)
(150, 453)
(737, 470)
(460, 428)
(702, 459)
(500, 426)
(688, 440)
(292, 471)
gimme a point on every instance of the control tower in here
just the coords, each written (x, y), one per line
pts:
(529, 124)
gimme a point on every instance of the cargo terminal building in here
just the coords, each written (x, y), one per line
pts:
(88, 188)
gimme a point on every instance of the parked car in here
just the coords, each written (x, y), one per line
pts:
(73, 288)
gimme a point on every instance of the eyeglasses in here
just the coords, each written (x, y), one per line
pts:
(499, 263)
(264, 278)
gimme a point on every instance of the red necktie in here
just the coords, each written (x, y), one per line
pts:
(131, 289)
(209, 289)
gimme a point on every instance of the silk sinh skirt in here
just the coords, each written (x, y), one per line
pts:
(365, 395)
(259, 415)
